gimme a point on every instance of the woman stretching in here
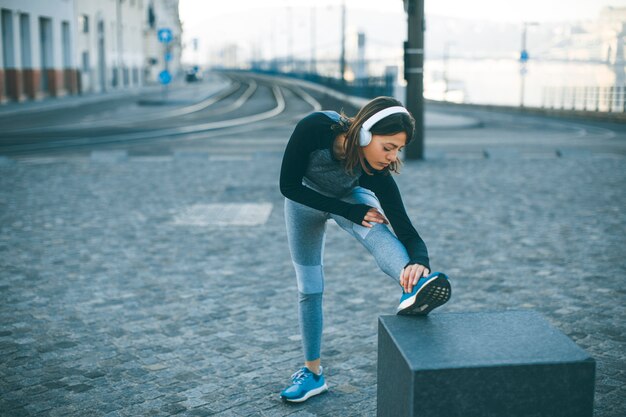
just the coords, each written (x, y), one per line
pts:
(340, 168)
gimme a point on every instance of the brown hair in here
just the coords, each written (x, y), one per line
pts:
(390, 125)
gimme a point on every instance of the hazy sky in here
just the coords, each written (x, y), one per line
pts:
(265, 25)
(508, 10)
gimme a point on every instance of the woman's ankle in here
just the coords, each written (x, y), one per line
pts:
(314, 366)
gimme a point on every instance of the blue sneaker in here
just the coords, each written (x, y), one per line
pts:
(430, 292)
(304, 385)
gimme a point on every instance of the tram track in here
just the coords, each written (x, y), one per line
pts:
(130, 120)
(299, 99)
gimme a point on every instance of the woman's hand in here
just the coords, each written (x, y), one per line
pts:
(375, 216)
(411, 274)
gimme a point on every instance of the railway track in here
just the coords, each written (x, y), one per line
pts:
(244, 103)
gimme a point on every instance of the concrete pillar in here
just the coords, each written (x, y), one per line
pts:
(55, 73)
(13, 82)
(20, 48)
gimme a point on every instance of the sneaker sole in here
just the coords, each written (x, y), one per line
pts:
(434, 293)
(308, 395)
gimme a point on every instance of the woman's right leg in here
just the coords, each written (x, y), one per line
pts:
(389, 253)
(306, 231)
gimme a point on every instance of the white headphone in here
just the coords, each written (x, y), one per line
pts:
(365, 136)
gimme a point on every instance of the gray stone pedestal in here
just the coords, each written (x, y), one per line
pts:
(505, 364)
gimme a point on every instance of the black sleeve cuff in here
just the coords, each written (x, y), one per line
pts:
(357, 212)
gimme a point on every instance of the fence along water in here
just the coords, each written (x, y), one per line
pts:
(589, 98)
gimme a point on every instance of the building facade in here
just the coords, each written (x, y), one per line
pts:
(51, 48)
(612, 29)
(109, 37)
(36, 58)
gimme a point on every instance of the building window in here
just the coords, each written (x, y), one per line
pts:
(67, 50)
(83, 23)
(85, 61)
(151, 17)
(46, 50)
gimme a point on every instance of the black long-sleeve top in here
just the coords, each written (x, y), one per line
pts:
(311, 175)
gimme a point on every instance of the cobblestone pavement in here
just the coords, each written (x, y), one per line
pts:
(118, 301)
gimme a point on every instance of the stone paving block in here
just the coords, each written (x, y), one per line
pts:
(20, 412)
(188, 154)
(109, 156)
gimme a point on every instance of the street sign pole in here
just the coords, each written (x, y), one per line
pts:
(523, 59)
(165, 36)
(414, 74)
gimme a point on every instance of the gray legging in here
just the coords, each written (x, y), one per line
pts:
(306, 231)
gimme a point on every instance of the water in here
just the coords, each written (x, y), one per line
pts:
(498, 81)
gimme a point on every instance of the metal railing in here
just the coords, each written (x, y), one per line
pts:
(369, 87)
(600, 99)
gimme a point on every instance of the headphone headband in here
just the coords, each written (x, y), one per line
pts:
(365, 136)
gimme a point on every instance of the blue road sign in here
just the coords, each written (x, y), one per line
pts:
(524, 56)
(165, 35)
(165, 77)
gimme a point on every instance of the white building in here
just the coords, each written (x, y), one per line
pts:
(36, 56)
(55, 47)
(109, 43)
(612, 28)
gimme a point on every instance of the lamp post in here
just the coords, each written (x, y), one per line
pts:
(342, 53)
(312, 66)
(342, 59)
(446, 58)
(290, 59)
(120, 43)
(523, 59)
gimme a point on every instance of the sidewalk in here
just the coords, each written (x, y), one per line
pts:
(178, 91)
(139, 286)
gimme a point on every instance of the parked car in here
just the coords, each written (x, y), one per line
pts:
(193, 75)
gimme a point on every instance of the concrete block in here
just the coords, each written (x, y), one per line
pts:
(512, 364)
